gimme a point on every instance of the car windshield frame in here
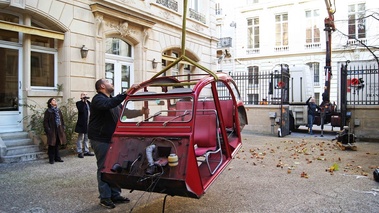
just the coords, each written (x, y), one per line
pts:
(161, 108)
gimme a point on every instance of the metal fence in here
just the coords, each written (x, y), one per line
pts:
(268, 87)
(265, 87)
(362, 85)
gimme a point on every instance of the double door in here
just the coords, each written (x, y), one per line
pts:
(120, 74)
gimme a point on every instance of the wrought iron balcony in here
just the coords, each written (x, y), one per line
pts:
(197, 16)
(170, 4)
(312, 46)
(354, 42)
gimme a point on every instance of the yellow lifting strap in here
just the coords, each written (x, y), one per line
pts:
(183, 57)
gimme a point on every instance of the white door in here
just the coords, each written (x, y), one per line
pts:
(10, 89)
(120, 74)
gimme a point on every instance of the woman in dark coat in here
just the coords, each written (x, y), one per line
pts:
(54, 128)
(312, 107)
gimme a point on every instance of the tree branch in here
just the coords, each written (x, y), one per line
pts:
(373, 54)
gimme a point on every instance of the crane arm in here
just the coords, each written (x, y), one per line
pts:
(329, 27)
(331, 11)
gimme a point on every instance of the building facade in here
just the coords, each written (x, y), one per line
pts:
(258, 35)
(59, 48)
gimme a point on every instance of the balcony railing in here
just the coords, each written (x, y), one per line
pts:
(252, 51)
(197, 16)
(353, 42)
(170, 4)
(281, 48)
(312, 46)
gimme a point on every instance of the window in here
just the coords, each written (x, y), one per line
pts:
(253, 33)
(253, 75)
(116, 46)
(281, 29)
(357, 22)
(172, 56)
(316, 73)
(43, 53)
(182, 67)
(119, 64)
(9, 67)
(315, 68)
(42, 69)
(187, 68)
(194, 4)
(42, 41)
(43, 60)
(195, 11)
(252, 99)
(312, 31)
(109, 72)
(317, 97)
(7, 35)
(218, 9)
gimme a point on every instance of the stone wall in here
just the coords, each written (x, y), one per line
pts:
(259, 119)
(364, 122)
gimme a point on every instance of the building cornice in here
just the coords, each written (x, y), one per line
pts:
(107, 10)
(146, 19)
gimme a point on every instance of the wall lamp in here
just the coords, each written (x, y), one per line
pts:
(154, 63)
(84, 51)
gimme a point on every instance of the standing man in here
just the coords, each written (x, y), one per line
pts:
(105, 112)
(81, 127)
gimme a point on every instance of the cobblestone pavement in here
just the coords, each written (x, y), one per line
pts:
(269, 174)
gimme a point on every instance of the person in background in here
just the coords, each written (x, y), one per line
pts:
(312, 106)
(53, 124)
(105, 113)
(81, 127)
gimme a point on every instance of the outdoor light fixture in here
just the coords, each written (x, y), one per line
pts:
(154, 63)
(84, 51)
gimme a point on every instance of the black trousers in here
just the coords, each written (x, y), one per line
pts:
(53, 151)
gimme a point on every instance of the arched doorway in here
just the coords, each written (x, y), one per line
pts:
(183, 67)
(119, 64)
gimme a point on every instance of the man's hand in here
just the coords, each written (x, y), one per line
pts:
(134, 86)
(84, 97)
(145, 110)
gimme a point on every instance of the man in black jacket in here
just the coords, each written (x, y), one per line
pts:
(105, 112)
(81, 127)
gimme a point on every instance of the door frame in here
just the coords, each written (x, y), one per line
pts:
(12, 121)
(117, 84)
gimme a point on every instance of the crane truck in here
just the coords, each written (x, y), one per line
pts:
(300, 93)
